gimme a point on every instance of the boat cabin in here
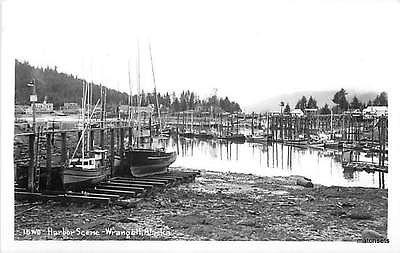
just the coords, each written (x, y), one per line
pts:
(90, 162)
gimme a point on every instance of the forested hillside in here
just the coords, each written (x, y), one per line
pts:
(61, 88)
(58, 87)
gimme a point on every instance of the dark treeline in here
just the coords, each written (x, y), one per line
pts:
(60, 88)
(188, 100)
(341, 103)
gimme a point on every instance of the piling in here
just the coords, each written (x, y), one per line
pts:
(112, 152)
(63, 147)
(31, 168)
(48, 160)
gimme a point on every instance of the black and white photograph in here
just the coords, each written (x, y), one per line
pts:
(199, 122)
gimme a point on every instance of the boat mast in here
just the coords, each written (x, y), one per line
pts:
(130, 95)
(83, 117)
(105, 105)
(102, 106)
(155, 89)
(89, 98)
(139, 95)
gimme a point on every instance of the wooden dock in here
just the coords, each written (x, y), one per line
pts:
(116, 190)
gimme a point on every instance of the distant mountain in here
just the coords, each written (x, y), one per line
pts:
(322, 97)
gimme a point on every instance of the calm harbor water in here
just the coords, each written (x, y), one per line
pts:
(322, 166)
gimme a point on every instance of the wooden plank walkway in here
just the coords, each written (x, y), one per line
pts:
(112, 190)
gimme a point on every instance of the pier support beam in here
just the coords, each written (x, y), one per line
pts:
(91, 139)
(112, 152)
(31, 168)
(63, 147)
(102, 139)
(130, 136)
(48, 160)
(121, 141)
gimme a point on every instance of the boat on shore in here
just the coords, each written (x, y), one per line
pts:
(145, 162)
(92, 166)
(138, 161)
(84, 172)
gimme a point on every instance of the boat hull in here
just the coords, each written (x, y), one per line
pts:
(203, 136)
(237, 138)
(187, 135)
(144, 162)
(75, 178)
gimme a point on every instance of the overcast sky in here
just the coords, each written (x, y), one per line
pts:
(248, 50)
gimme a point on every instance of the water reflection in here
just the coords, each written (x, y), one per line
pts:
(322, 166)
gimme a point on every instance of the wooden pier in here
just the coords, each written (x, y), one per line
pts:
(117, 190)
(40, 156)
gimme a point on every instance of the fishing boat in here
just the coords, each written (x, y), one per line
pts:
(166, 131)
(237, 138)
(92, 166)
(58, 113)
(258, 138)
(333, 144)
(203, 134)
(85, 171)
(146, 161)
(187, 134)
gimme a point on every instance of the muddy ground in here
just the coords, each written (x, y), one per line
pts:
(217, 206)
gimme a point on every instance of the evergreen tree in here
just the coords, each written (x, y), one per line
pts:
(176, 105)
(325, 110)
(287, 109)
(312, 103)
(61, 88)
(340, 99)
(355, 103)
(381, 99)
(302, 103)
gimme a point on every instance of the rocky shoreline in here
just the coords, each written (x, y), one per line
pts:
(217, 206)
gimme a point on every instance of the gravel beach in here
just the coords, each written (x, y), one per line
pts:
(216, 206)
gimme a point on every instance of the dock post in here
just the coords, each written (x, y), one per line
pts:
(121, 142)
(91, 139)
(112, 152)
(63, 148)
(150, 125)
(177, 123)
(31, 169)
(130, 136)
(48, 160)
(102, 138)
(252, 123)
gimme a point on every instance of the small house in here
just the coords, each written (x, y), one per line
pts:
(297, 112)
(375, 111)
